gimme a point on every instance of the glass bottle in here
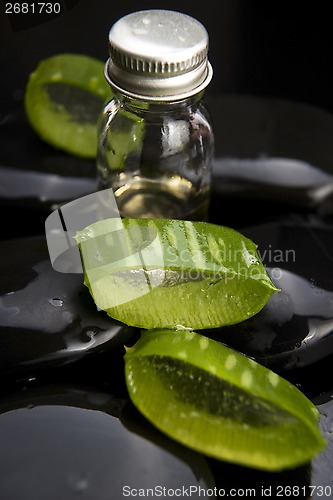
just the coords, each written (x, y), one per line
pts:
(156, 141)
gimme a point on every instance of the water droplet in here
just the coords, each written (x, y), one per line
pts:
(203, 342)
(182, 327)
(139, 31)
(56, 302)
(247, 378)
(98, 256)
(230, 362)
(273, 378)
(77, 483)
(93, 81)
(88, 335)
(189, 335)
(56, 76)
(312, 282)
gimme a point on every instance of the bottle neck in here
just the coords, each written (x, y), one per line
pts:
(142, 105)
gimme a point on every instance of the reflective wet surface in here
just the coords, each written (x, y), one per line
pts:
(67, 427)
(63, 441)
(294, 329)
(47, 317)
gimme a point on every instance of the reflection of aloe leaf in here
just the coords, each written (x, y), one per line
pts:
(64, 395)
(134, 421)
(219, 402)
(125, 141)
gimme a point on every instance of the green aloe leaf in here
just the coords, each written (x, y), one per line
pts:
(63, 100)
(219, 402)
(164, 273)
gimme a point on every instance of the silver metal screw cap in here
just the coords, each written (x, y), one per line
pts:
(158, 55)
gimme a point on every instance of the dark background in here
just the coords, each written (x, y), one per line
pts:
(262, 48)
(269, 49)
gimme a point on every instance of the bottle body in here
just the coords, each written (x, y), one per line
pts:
(157, 156)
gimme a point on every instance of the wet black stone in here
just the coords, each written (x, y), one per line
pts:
(294, 329)
(47, 317)
(63, 441)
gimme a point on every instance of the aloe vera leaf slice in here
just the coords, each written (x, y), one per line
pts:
(165, 273)
(63, 99)
(221, 403)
